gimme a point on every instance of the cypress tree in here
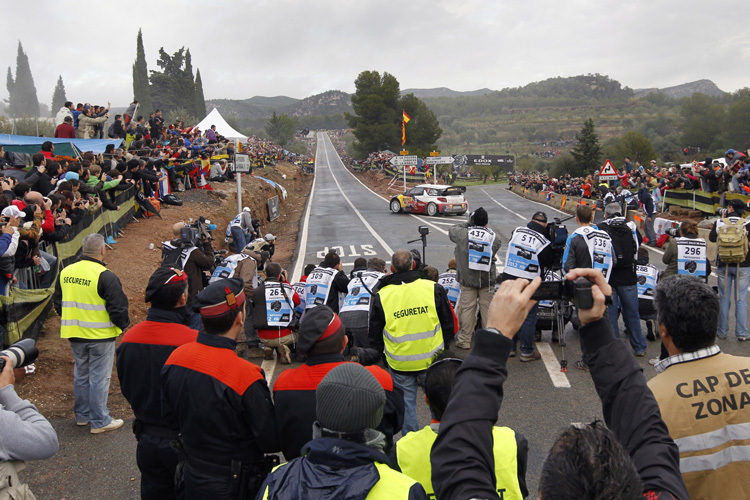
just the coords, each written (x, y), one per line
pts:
(187, 85)
(141, 89)
(22, 92)
(587, 153)
(200, 100)
(58, 96)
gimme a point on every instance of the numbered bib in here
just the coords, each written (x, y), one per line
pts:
(481, 240)
(278, 308)
(691, 256)
(318, 286)
(299, 287)
(522, 258)
(358, 297)
(648, 275)
(600, 249)
(449, 281)
(227, 267)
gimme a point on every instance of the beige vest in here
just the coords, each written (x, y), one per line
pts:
(706, 406)
(11, 487)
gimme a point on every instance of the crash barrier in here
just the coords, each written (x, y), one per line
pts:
(704, 201)
(399, 173)
(23, 311)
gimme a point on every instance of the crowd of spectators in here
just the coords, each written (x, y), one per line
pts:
(41, 204)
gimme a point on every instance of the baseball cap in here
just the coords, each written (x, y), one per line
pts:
(269, 237)
(13, 211)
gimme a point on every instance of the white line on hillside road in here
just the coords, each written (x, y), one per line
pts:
(268, 367)
(382, 242)
(376, 194)
(559, 379)
(503, 206)
(302, 246)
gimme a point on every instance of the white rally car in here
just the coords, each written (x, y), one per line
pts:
(431, 199)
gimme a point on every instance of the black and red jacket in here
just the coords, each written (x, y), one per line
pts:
(219, 402)
(294, 397)
(140, 357)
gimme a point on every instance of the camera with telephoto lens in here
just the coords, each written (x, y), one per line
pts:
(576, 292)
(674, 232)
(22, 353)
(722, 212)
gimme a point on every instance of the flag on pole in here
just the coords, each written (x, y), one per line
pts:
(549, 196)
(404, 120)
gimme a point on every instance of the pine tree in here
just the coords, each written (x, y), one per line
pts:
(141, 89)
(200, 100)
(280, 129)
(58, 96)
(376, 122)
(22, 92)
(587, 153)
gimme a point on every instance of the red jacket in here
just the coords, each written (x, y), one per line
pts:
(65, 131)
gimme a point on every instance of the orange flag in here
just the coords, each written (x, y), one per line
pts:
(406, 117)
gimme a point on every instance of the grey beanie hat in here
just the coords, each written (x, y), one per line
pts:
(349, 399)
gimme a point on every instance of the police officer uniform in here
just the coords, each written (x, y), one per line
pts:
(220, 404)
(294, 389)
(140, 357)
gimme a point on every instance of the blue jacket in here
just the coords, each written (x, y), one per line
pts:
(330, 468)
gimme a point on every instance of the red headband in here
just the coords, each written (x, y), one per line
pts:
(332, 328)
(231, 302)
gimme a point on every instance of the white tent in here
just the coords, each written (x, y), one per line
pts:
(222, 127)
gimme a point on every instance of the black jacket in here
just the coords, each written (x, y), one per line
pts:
(377, 315)
(331, 468)
(140, 357)
(621, 276)
(462, 459)
(219, 402)
(294, 399)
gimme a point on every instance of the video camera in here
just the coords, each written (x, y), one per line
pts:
(22, 353)
(421, 260)
(558, 236)
(576, 292)
(197, 232)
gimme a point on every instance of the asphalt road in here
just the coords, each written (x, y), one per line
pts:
(343, 214)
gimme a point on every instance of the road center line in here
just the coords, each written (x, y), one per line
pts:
(503, 206)
(559, 379)
(268, 367)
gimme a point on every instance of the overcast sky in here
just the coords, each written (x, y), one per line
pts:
(296, 48)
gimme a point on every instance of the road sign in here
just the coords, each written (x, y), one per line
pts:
(403, 152)
(607, 172)
(400, 161)
(434, 153)
(438, 160)
(242, 163)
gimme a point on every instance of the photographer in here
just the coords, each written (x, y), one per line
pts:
(529, 256)
(630, 457)
(687, 254)
(24, 435)
(475, 252)
(195, 261)
(274, 301)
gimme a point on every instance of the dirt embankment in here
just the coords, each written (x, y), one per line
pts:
(131, 259)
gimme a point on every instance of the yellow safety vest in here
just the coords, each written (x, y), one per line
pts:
(413, 452)
(84, 312)
(412, 333)
(392, 485)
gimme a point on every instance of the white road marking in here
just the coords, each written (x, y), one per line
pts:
(385, 200)
(302, 245)
(503, 206)
(364, 221)
(559, 379)
(268, 367)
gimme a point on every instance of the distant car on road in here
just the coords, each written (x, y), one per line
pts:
(431, 199)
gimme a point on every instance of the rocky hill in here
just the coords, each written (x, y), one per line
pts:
(685, 90)
(328, 103)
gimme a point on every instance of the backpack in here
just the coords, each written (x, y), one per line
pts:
(623, 244)
(732, 241)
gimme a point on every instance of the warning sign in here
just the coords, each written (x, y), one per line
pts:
(608, 172)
